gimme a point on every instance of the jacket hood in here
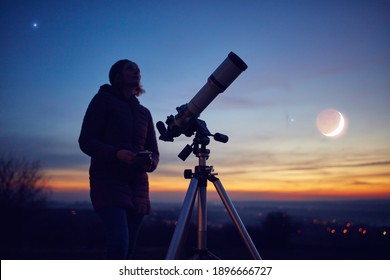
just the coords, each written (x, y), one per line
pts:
(108, 89)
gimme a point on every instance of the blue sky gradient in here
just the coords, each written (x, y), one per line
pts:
(302, 56)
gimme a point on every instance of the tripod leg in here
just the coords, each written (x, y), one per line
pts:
(183, 220)
(202, 218)
(235, 217)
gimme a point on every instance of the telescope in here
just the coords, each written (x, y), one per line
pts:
(186, 120)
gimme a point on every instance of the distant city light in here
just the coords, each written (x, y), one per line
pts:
(345, 231)
(384, 233)
(333, 231)
(348, 224)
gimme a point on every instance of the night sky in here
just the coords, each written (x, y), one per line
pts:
(303, 57)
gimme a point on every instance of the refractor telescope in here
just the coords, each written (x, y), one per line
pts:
(186, 120)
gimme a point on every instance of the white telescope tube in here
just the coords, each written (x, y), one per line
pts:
(220, 80)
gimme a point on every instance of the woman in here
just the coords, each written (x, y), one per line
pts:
(118, 134)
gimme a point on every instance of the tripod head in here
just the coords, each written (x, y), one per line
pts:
(201, 140)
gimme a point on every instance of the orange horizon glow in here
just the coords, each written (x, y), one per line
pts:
(302, 187)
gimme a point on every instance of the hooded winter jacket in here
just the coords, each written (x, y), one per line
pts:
(112, 123)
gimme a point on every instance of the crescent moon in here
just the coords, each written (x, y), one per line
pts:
(338, 129)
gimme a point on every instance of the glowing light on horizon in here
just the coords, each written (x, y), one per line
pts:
(271, 184)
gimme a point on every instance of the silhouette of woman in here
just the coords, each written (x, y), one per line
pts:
(118, 134)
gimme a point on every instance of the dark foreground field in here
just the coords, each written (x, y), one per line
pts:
(323, 230)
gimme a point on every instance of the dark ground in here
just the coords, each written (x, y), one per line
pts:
(289, 231)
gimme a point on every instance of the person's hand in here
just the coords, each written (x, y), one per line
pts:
(143, 162)
(126, 156)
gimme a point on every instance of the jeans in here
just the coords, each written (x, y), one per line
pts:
(121, 228)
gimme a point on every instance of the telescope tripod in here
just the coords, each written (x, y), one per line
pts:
(198, 186)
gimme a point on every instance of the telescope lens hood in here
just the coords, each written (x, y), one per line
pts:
(237, 61)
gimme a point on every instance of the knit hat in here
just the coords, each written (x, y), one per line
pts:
(116, 70)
